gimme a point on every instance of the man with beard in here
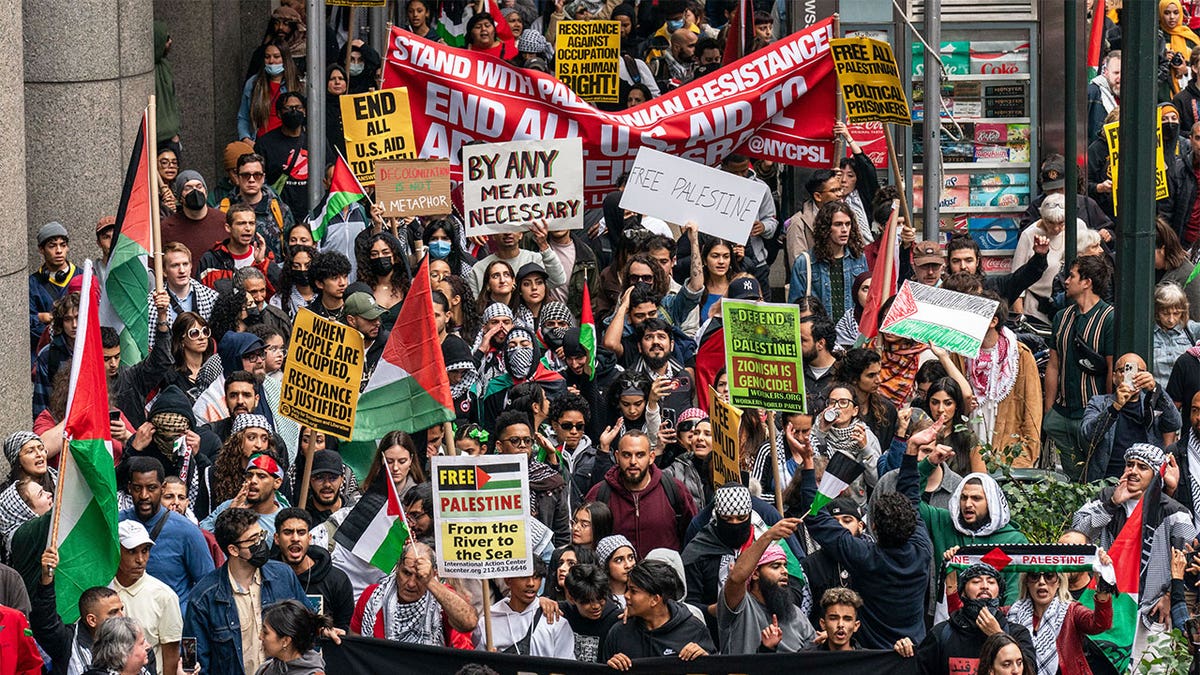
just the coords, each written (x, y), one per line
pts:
(494, 324)
(963, 255)
(259, 492)
(242, 397)
(1102, 519)
(818, 337)
(327, 587)
(655, 349)
(953, 645)
(978, 514)
(755, 608)
(180, 556)
(151, 602)
(650, 508)
(417, 503)
(326, 482)
(547, 488)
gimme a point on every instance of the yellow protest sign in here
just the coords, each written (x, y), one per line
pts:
(870, 81)
(1112, 134)
(480, 508)
(726, 423)
(586, 55)
(377, 125)
(322, 375)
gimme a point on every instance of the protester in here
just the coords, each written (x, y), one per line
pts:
(655, 625)
(289, 633)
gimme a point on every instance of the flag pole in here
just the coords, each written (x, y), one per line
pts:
(894, 162)
(306, 480)
(839, 145)
(448, 439)
(775, 461)
(487, 612)
(85, 301)
(153, 181)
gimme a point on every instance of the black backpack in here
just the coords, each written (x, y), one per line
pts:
(522, 646)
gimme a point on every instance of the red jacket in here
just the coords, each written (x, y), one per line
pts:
(18, 653)
(646, 517)
(1081, 622)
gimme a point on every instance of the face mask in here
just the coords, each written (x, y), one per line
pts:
(273, 69)
(381, 266)
(519, 361)
(439, 248)
(292, 119)
(674, 25)
(194, 200)
(1170, 132)
(554, 337)
(300, 277)
(356, 69)
(971, 608)
(733, 535)
(260, 553)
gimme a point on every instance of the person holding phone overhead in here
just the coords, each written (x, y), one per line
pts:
(1138, 411)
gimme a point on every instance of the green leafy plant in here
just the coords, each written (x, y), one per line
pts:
(1042, 508)
(1166, 654)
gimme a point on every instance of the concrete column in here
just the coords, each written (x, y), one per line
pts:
(211, 44)
(89, 70)
(15, 391)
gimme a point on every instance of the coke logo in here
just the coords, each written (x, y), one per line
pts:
(1000, 69)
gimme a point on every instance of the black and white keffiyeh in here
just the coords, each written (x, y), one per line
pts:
(1046, 634)
(417, 622)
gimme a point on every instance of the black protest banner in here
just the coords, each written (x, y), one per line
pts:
(369, 655)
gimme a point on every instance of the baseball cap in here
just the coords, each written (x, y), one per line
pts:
(51, 230)
(326, 461)
(745, 288)
(132, 534)
(362, 304)
(531, 268)
(927, 253)
(1053, 175)
(844, 506)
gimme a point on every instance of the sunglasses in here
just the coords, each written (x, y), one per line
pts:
(1048, 577)
(572, 426)
(644, 278)
(196, 333)
(255, 175)
(518, 441)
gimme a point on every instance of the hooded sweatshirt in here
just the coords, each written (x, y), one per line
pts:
(647, 517)
(330, 583)
(167, 108)
(310, 663)
(947, 530)
(509, 627)
(633, 639)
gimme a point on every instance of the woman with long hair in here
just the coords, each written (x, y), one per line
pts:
(167, 168)
(295, 288)
(257, 114)
(385, 270)
(692, 467)
(561, 561)
(592, 522)
(464, 315)
(1172, 264)
(860, 369)
(1001, 655)
(441, 239)
(191, 345)
(499, 285)
(722, 261)
(1057, 623)
(224, 479)
(336, 86)
(289, 633)
(944, 401)
(836, 260)
(531, 294)
(419, 16)
(398, 451)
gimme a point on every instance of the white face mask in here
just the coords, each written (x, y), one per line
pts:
(273, 69)
(356, 69)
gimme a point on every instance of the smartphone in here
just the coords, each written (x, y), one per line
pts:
(1129, 372)
(668, 417)
(316, 603)
(681, 382)
(114, 415)
(187, 654)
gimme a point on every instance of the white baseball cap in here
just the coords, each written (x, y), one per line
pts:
(133, 534)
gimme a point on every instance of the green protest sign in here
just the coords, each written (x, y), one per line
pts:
(763, 356)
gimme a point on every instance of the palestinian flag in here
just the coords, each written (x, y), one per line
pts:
(1095, 40)
(376, 528)
(128, 283)
(587, 331)
(841, 471)
(740, 36)
(953, 321)
(887, 261)
(495, 488)
(344, 190)
(452, 21)
(88, 549)
(409, 389)
(1028, 557)
(710, 359)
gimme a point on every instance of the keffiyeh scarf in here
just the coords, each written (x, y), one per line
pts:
(993, 376)
(417, 622)
(1046, 635)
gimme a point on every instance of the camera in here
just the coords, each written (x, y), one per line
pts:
(1176, 60)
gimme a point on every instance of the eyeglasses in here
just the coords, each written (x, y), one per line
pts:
(1034, 577)
(572, 426)
(841, 402)
(250, 541)
(518, 441)
(254, 356)
(252, 175)
(273, 348)
(415, 515)
(196, 333)
(168, 162)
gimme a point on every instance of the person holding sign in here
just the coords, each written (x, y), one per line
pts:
(507, 247)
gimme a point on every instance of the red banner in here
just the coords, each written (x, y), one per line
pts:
(776, 103)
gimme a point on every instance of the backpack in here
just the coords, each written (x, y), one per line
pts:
(668, 484)
(522, 645)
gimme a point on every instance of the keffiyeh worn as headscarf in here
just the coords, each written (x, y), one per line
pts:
(490, 312)
(1150, 455)
(14, 512)
(997, 504)
(14, 443)
(555, 311)
(732, 500)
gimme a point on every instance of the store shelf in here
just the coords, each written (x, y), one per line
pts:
(977, 166)
(997, 77)
(1015, 210)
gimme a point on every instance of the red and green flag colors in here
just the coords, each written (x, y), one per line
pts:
(376, 529)
(344, 190)
(451, 25)
(587, 331)
(841, 471)
(88, 548)
(956, 322)
(410, 389)
(128, 283)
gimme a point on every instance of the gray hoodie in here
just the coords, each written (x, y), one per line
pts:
(311, 663)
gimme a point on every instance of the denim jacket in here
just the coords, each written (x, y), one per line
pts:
(1170, 345)
(212, 616)
(1099, 426)
(822, 288)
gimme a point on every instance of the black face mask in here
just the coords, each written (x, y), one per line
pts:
(260, 553)
(733, 535)
(971, 608)
(381, 266)
(1170, 131)
(292, 119)
(194, 200)
(300, 278)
